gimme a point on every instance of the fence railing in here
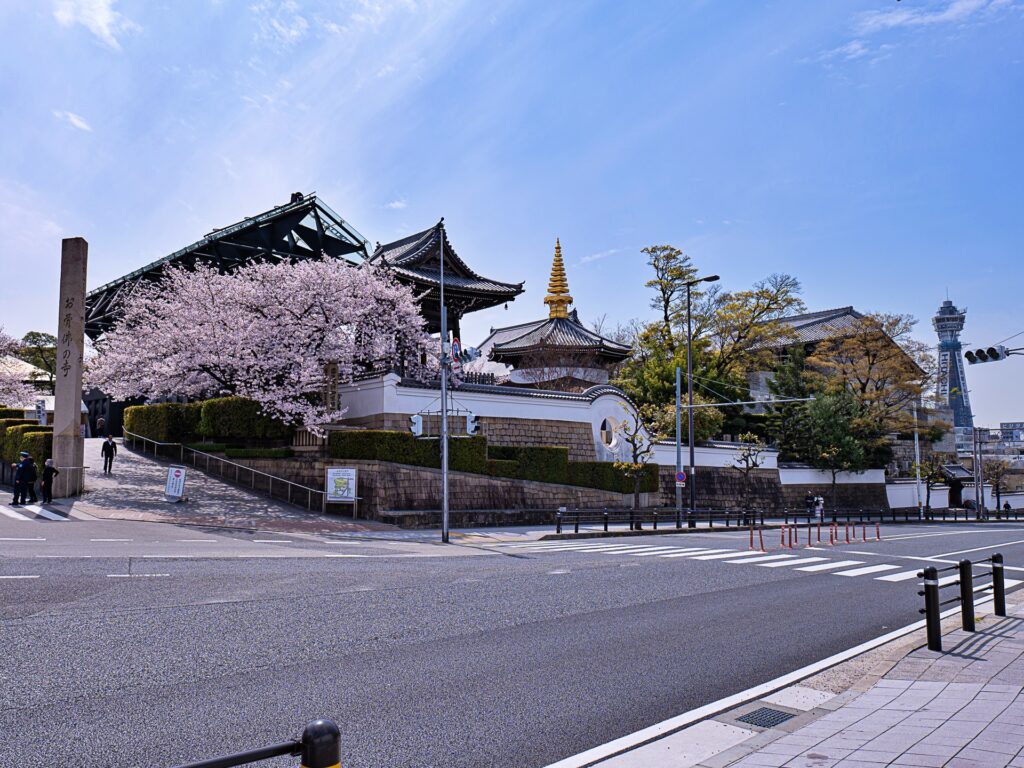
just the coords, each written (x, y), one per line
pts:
(662, 517)
(965, 581)
(261, 482)
(319, 745)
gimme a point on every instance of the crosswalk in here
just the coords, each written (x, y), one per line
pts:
(806, 561)
(34, 513)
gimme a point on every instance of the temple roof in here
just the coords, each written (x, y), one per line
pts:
(566, 334)
(417, 258)
(811, 327)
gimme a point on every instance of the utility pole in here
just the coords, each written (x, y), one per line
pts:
(679, 448)
(691, 479)
(917, 464)
(444, 396)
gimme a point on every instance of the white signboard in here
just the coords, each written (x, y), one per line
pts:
(175, 489)
(41, 411)
(341, 485)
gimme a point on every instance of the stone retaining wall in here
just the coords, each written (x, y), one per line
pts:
(723, 488)
(848, 495)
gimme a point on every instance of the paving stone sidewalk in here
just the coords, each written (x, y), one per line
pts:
(962, 709)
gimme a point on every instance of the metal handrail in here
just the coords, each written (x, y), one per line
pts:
(270, 478)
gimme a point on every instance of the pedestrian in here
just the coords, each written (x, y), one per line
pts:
(29, 475)
(819, 507)
(1007, 507)
(19, 474)
(809, 500)
(101, 425)
(50, 471)
(109, 451)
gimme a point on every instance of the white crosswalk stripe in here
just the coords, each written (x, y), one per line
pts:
(828, 566)
(8, 512)
(764, 559)
(791, 563)
(33, 513)
(46, 513)
(867, 569)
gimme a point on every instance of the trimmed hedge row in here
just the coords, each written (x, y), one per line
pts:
(9, 453)
(259, 453)
(38, 444)
(541, 463)
(223, 418)
(12, 413)
(21, 436)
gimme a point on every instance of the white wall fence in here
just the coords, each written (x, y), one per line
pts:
(904, 494)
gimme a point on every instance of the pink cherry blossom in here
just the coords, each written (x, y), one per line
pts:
(283, 335)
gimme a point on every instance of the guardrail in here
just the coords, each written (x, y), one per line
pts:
(196, 456)
(319, 745)
(965, 580)
(657, 517)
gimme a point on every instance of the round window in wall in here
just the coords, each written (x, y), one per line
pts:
(607, 433)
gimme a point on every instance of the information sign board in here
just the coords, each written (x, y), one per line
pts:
(175, 488)
(341, 485)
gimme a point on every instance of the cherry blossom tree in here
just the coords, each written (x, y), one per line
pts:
(13, 391)
(282, 335)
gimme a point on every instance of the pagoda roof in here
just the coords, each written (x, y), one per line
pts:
(417, 258)
(566, 334)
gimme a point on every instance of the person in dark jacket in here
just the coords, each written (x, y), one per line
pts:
(109, 451)
(28, 475)
(50, 471)
(19, 474)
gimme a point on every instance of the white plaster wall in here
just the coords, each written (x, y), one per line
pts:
(803, 476)
(708, 456)
(905, 495)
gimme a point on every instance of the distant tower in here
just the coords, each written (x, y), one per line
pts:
(952, 381)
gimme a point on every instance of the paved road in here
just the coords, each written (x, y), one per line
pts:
(137, 646)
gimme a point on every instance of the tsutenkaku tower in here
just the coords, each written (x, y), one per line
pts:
(952, 379)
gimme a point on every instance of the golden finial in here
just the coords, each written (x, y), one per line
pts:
(558, 298)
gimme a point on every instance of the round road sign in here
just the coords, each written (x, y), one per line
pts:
(680, 477)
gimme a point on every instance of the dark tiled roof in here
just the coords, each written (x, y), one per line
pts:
(812, 327)
(417, 257)
(555, 333)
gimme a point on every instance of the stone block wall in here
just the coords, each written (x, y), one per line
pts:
(723, 488)
(848, 495)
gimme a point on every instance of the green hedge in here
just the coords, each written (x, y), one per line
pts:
(39, 446)
(21, 438)
(541, 463)
(12, 413)
(208, 447)
(259, 453)
(5, 424)
(163, 422)
(235, 418)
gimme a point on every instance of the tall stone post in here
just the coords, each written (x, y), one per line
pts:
(68, 441)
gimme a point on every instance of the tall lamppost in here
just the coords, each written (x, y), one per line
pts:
(691, 522)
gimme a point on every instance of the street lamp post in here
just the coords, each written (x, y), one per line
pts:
(691, 522)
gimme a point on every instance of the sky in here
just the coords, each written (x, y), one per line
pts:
(872, 148)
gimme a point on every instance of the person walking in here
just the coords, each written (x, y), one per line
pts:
(50, 471)
(101, 425)
(819, 507)
(109, 451)
(809, 502)
(29, 475)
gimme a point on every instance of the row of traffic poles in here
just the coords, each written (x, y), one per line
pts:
(965, 579)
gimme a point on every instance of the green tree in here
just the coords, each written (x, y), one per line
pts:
(639, 432)
(40, 349)
(931, 475)
(827, 436)
(994, 471)
(672, 269)
(749, 457)
(788, 381)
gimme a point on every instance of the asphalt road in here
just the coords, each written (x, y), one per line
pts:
(138, 644)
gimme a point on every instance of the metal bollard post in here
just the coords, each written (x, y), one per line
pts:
(558, 522)
(321, 745)
(655, 519)
(998, 586)
(931, 608)
(576, 528)
(967, 595)
(606, 522)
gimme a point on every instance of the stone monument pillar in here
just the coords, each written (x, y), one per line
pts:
(68, 438)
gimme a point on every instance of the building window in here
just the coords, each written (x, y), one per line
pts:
(607, 433)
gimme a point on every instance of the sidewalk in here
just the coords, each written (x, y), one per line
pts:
(902, 705)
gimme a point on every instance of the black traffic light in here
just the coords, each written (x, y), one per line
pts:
(986, 354)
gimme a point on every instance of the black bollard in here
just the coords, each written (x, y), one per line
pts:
(967, 595)
(606, 521)
(321, 745)
(998, 586)
(931, 608)
(558, 522)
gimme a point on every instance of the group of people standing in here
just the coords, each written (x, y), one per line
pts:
(26, 474)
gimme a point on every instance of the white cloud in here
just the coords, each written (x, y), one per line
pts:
(854, 49)
(98, 16)
(75, 121)
(387, 69)
(279, 22)
(955, 12)
(397, 205)
(600, 255)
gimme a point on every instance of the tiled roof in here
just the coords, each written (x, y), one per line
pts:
(418, 257)
(555, 332)
(811, 327)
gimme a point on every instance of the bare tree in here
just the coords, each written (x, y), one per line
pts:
(750, 456)
(639, 433)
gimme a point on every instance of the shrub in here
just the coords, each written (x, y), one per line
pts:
(604, 475)
(12, 413)
(502, 468)
(39, 445)
(163, 422)
(15, 440)
(5, 424)
(207, 447)
(259, 453)
(235, 418)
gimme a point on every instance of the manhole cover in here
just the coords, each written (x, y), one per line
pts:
(765, 717)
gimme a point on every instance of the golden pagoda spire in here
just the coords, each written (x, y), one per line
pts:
(558, 298)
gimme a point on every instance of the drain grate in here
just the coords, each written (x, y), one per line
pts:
(765, 717)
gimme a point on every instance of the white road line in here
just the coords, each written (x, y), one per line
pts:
(111, 539)
(335, 555)
(196, 541)
(699, 552)
(866, 570)
(275, 541)
(13, 515)
(633, 550)
(66, 557)
(721, 556)
(905, 576)
(19, 577)
(979, 549)
(799, 561)
(827, 566)
(46, 513)
(35, 538)
(135, 575)
(167, 557)
(769, 558)
(655, 551)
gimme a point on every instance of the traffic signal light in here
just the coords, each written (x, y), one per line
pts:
(472, 424)
(986, 354)
(468, 355)
(416, 424)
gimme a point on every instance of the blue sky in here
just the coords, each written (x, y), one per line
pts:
(870, 147)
